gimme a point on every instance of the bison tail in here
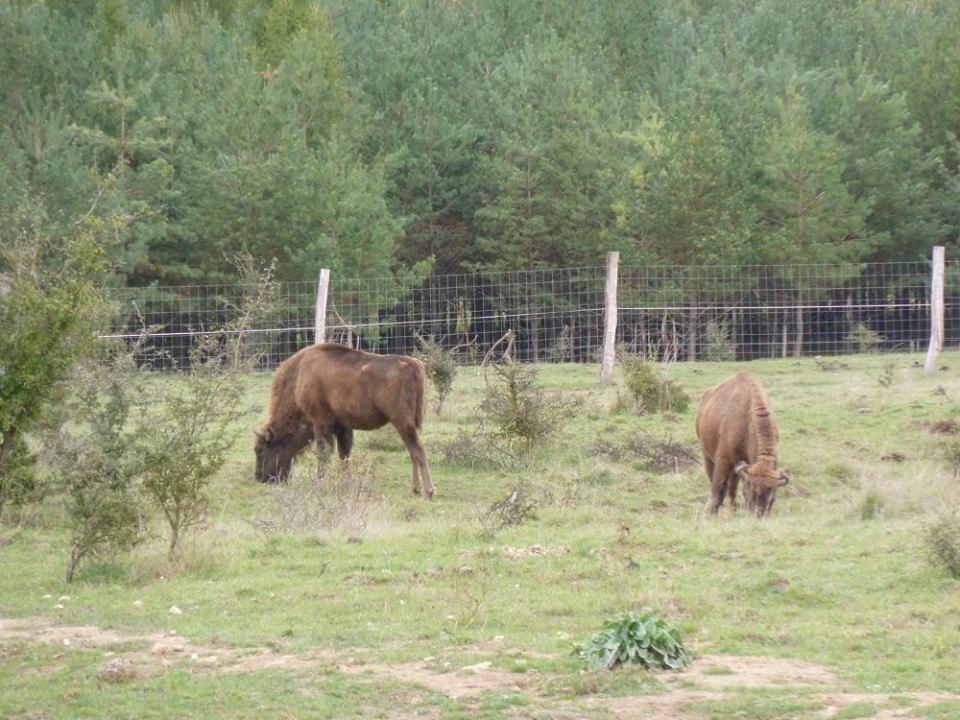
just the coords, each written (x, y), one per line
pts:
(421, 390)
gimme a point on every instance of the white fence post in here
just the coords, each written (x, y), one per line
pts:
(610, 325)
(936, 308)
(320, 318)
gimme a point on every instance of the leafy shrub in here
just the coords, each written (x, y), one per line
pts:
(717, 345)
(95, 459)
(631, 637)
(441, 367)
(516, 409)
(650, 391)
(864, 338)
(950, 452)
(18, 482)
(943, 543)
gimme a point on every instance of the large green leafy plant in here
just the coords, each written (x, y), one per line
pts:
(632, 637)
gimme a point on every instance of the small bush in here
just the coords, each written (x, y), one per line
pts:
(632, 637)
(560, 350)
(887, 374)
(514, 509)
(661, 455)
(865, 339)
(717, 345)
(514, 408)
(650, 391)
(943, 543)
(441, 367)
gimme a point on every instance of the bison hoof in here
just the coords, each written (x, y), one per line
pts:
(416, 491)
(429, 494)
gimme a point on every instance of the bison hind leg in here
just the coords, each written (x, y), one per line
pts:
(418, 457)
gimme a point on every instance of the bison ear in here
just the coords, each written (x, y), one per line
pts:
(784, 479)
(741, 468)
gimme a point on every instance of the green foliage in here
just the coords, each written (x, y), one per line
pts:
(864, 338)
(95, 460)
(515, 408)
(441, 366)
(184, 439)
(650, 392)
(18, 482)
(632, 637)
(943, 543)
(49, 305)
(871, 505)
(717, 345)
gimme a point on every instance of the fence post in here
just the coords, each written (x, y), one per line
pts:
(320, 318)
(936, 309)
(610, 325)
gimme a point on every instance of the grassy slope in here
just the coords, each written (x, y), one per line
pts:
(814, 582)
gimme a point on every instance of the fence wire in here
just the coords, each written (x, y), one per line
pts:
(664, 312)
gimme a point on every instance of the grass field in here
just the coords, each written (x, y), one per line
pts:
(393, 607)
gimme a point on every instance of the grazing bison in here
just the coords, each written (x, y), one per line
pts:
(739, 436)
(328, 391)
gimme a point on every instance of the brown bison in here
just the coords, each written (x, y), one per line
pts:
(328, 391)
(739, 436)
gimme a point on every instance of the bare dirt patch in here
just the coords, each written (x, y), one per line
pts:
(159, 650)
(711, 678)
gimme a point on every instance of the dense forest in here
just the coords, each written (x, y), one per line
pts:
(391, 138)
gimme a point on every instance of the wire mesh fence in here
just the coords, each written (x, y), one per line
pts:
(665, 313)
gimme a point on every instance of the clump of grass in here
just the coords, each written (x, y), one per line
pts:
(649, 391)
(950, 453)
(344, 500)
(871, 505)
(943, 543)
(631, 637)
(886, 375)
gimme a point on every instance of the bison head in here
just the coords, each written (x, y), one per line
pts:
(760, 483)
(274, 455)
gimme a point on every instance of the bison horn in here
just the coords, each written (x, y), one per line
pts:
(267, 434)
(784, 478)
(741, 468)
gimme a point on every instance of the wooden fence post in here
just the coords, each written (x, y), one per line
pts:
(610, 325)
(320, 318)
(936, 309)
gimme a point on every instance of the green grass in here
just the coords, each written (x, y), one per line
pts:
(815, 582)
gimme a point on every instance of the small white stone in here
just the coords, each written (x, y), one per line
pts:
(63, 598)
(138, 603)
(58, 606)
(66, 641)
(48, 596)
(174, 610)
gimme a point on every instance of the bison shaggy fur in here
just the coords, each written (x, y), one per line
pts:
(327, 391)
(739, 435)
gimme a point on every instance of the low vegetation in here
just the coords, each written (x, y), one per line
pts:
(644, 638)
(344, 596)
